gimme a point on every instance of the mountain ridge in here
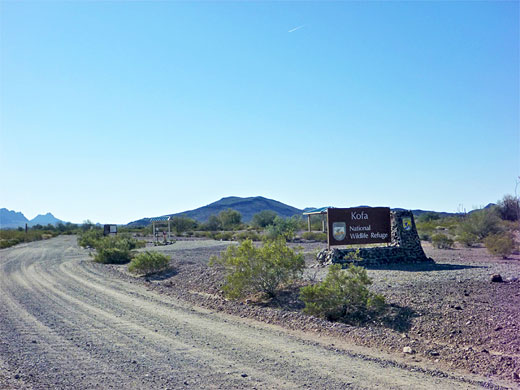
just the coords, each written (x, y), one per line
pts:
(247, 207)
(10, 219)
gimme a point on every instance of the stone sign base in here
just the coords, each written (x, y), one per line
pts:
(405, 247)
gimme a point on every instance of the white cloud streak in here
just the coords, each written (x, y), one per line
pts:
(296, 28)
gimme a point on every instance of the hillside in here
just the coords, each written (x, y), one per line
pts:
(245, 206)
(45, 220)
(10, 219)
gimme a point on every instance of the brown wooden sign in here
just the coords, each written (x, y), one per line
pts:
(360, 225)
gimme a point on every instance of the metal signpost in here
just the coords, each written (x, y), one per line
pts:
(360, 225)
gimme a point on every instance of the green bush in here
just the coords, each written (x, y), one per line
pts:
(249, 235)
(116, 249)
(501, 244)
(148, 262)
(315, 236)
(112, 256)
(250, 269)
(342, 295)
(223, 236)
(481, 223)
(442, 241)
(90, 238)
(467, 239)
(230, 219)
(282, 227)
(182, 224)
(263, 218)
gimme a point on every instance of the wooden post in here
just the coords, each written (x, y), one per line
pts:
(168, 229)
(153, 231)
(309, 221)
(323, 223)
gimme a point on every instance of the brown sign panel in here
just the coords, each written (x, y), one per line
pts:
(359, 225)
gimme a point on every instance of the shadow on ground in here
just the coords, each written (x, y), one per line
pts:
(393, 316)
(423, 267)
(166, 274)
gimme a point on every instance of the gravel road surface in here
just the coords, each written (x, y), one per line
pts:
(65, 324)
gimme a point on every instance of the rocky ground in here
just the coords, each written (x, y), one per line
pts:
(69, 323)
(449, 313)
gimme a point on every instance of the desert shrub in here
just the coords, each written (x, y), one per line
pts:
(251, 270)
(90, 238)
(481, 223)
(315, 236)
(263, 218)
(509, 208)
(428, 216)
(116, 249)
(112, 255)
(223, 236)
(230, 219)
(467, 239)
(182, 224)
(425, 237)
(282, 227)
(249, 235)
(442, 241)
(342, 295)
(500, 244)
(148, 262)
(6, 243)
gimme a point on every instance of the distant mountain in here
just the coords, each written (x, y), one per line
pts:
(245, 206)
(10, 219)
(44, 220)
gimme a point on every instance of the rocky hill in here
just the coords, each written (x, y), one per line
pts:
(245, 206)
(10, 219)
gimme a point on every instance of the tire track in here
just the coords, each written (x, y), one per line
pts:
(94, 331)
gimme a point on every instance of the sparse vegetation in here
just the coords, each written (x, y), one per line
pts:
(282, 227)
(509, 208)
(481, 223)
(11, 237)
(251, 270)
(148, 263)
(90, 238)
(263, 218)
(315, 236)
(342, 295)
(110, 249)
(467, 239)
(500, 244)
(442, 241)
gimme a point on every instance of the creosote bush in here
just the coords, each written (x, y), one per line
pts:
(442, 241)
(315, 236)
(467, 239)
(500, 244)
(115, 249)
(148, 262)
(251, 270)
(90, 238)
(342, 295)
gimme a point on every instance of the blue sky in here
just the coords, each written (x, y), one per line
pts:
(112, 111)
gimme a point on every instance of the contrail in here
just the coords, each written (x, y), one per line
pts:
(296, 28)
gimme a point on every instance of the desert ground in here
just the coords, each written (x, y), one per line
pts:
(67, 322)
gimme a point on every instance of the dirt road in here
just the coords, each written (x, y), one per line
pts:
(65, 324)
